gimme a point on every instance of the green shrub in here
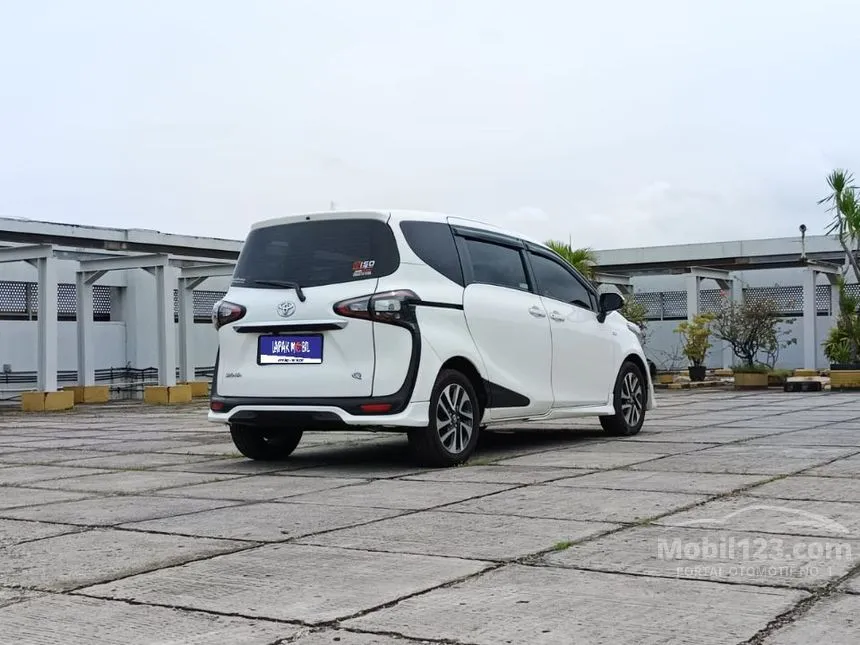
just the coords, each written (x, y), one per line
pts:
(757, 368)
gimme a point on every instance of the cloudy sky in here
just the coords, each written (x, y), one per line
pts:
(623, 123)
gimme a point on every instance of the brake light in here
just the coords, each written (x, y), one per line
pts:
(354, 308)
(394, 307)
(226, 312)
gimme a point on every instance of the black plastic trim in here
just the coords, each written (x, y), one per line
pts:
(284, 420)
(488, 236)
(285, 328)
(501, 397)
(440, 305)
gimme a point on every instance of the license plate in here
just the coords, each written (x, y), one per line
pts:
(281, 350)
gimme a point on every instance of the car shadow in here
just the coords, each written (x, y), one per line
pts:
(387, 453)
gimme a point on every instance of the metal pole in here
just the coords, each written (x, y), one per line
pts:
(810, 317)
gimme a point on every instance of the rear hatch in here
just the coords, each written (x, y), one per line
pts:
(285, 338)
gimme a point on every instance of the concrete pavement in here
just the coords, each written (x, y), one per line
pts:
(731, 518)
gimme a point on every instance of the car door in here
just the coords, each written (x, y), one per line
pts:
(509, 325)
(583, 348)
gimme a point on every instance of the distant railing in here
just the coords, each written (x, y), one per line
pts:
(106, 375)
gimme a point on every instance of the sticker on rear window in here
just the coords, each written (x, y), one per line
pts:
(362, 268)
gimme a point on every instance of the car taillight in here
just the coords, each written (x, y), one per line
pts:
(226, 312)
(394, 307)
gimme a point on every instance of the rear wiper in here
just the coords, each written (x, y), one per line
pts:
(283, 283)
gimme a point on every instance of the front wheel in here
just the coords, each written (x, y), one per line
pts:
(629, 400)
(264, 445)
(455, 418)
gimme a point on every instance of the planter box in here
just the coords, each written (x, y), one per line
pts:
(665, 379)
(751, 380)
(845, 379)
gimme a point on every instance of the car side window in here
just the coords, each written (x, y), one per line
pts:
(496, 264)
(433, 242)
(556, 282)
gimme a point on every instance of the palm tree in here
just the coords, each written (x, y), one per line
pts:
(845, 204)
(583, 259)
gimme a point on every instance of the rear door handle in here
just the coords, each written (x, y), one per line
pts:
(557, 316)
(537, 312)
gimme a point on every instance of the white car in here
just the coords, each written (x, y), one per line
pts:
(423, 323)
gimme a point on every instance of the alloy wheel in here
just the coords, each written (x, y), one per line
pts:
(455, 418)
(632, 399)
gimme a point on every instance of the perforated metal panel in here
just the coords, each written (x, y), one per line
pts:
(67, 302)
(101, 301)
(204, 301)
(822, 299)
(13, 297)
(710, 300)
(674, 304)
(788, 299)
(651, 301)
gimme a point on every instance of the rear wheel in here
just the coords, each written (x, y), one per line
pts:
(264, 444)
(455, 418)
(629, 401)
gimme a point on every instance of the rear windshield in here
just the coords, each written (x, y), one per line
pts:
(318, 253)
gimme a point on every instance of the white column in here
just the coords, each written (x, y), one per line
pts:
(186, 327)
(47, 325)
(165, 331)
(834, 300)
(731, 287)
(809, 319)
(692, 296)
(84, 318)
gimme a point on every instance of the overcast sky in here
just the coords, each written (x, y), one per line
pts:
(623, 123)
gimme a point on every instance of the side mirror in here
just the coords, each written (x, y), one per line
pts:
(609, 301)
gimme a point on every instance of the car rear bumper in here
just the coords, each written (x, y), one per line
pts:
(318, 417)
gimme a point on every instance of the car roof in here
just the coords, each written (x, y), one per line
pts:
(399, 215)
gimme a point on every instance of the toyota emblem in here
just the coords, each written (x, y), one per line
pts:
(286, 309)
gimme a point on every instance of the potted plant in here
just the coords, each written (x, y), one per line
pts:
(696, 343)
(843, 340)
(752, 328)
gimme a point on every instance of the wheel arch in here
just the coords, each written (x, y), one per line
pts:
(637, 360)
(468, 369)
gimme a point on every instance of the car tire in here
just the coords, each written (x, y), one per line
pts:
(629, 400)
(453, 402)
(264, 445)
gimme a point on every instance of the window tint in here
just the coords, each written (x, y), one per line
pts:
(433, 242)
(554, 281)
(317, 253)
(497, 265)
